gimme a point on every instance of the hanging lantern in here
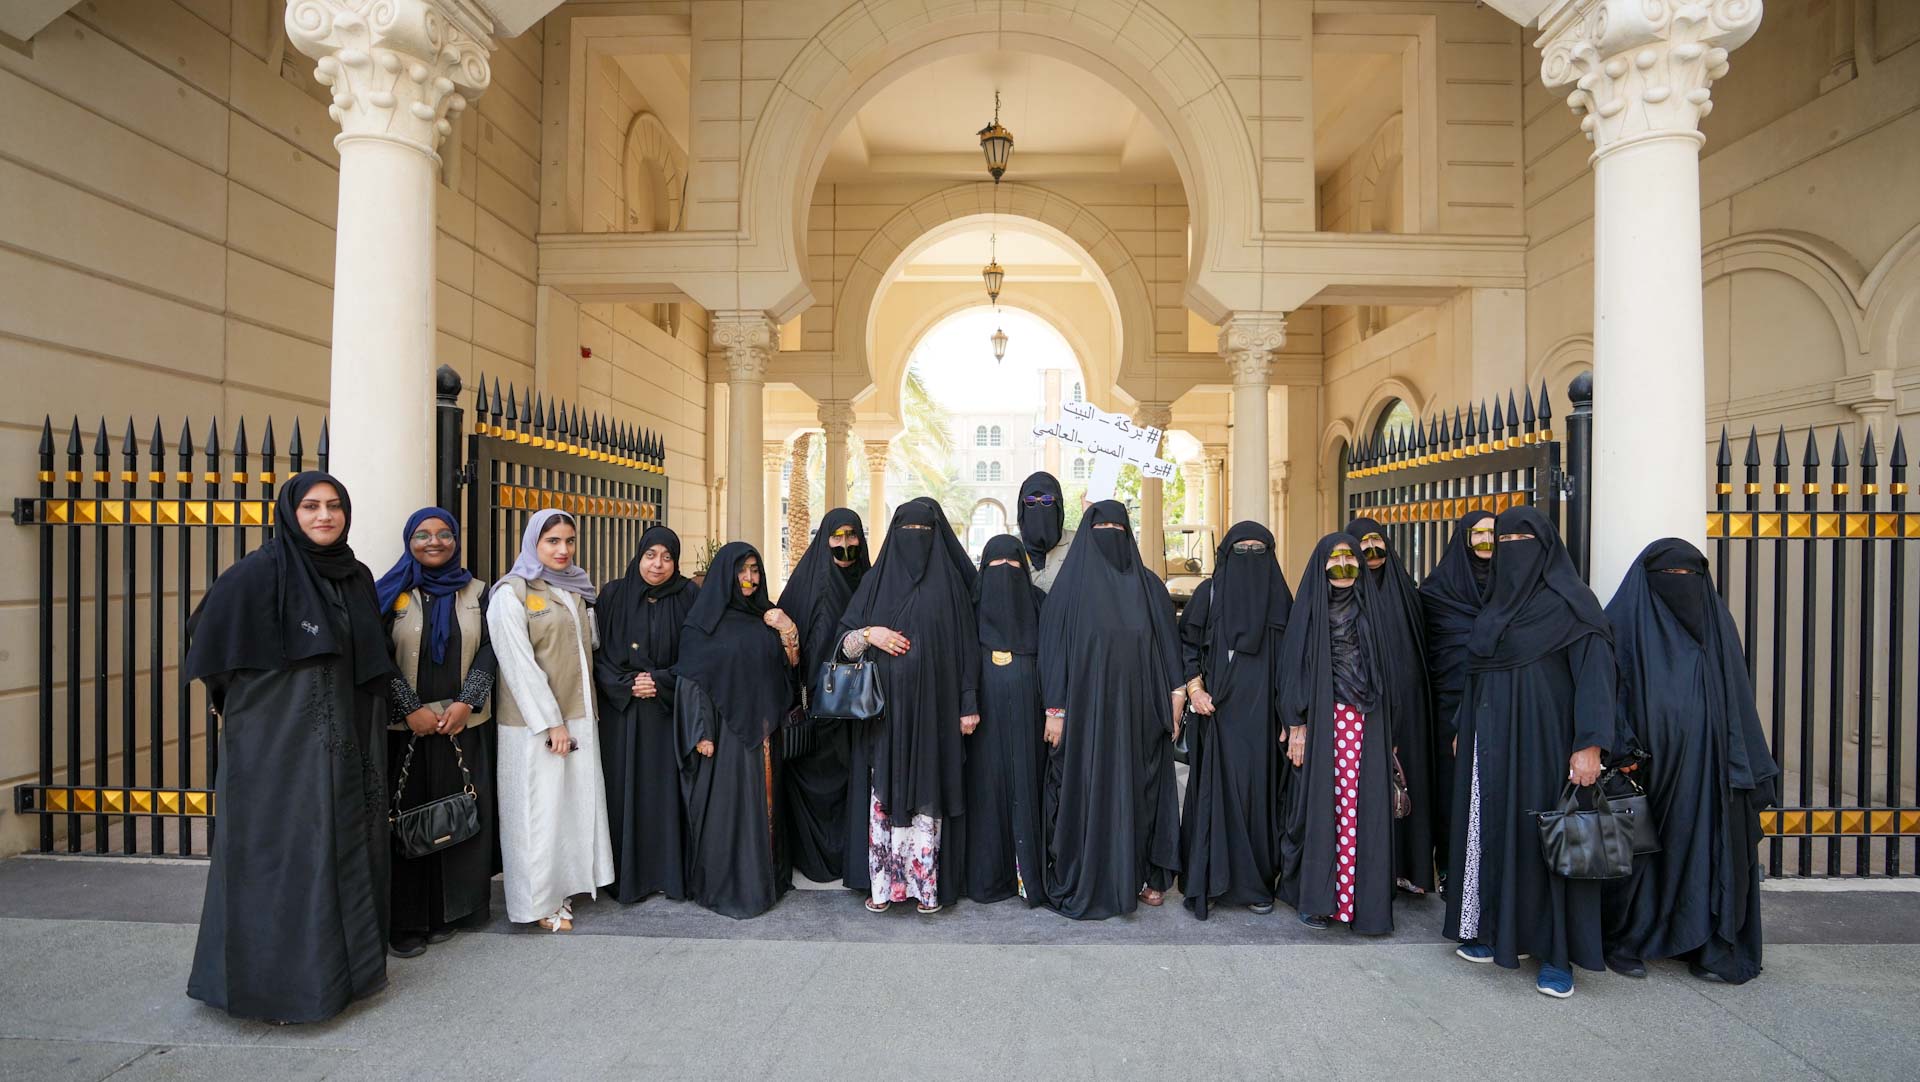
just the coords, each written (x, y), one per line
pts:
(996, 143)
(999, 345)
(993, 275)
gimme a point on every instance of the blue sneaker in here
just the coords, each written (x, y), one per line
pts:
(1554, 981)
(1475, 952)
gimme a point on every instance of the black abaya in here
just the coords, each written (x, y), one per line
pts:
(1451, 597)
(289, 644)
(814, 786)
(1402, 668)
(734, 689)
(1329, 663)
(1110, 658)
(911, 759)
(1230, 825)
(1684, 692)
(639, 628)
(1004, 755)
(1540, 686)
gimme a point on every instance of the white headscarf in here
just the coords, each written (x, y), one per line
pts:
(528, 566)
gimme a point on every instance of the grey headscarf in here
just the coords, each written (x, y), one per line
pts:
(528, 566)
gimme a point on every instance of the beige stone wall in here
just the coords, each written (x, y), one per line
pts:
(1809, 211)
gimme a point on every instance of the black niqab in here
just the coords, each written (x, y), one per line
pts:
(1451, 598)
(728, 649)
(818, 590)
(270, 610)
(1041, 527)
(1250, 593)
(1538, 603)
(950, 541)
(1006, 605)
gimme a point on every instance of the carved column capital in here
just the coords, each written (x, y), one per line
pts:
(1248, 342)
(1195, 471)
(399, 69)
(877, 453)
(1641, 69)
(836, 418)
(748, 339)
(1154, 415)
(773, 456)
(1215, 455)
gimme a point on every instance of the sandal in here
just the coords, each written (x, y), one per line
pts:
(1406, 884)
(928, 910)
(561, 921)
(1152, 896)
(878, 907)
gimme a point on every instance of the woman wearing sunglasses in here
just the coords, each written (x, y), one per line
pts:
(1043, 532)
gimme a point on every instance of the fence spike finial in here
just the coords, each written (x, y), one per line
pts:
(46, 433)
(213, 437)
(1546, 406)
(129, 445)
(185, 447)
(493, 410)
(100, 441)
(157, 444)
(1839, 459)
(266, 447)
(1499, 420)
(294, 447)
(1513, 413)
(74, 446)
(1781, 457)
(240, 443)
(1725, 457)
(1898, 460)
(1811, 456)
(1869, 456)
(320, 449)
(1753, 447)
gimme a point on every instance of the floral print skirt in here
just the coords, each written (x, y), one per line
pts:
(902, 862)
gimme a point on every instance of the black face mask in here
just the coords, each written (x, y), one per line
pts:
(1687, 596)
(1114, 546)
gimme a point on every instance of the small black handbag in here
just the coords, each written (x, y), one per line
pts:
(1583, 843)
(1630, 802)
(428, 828)
(848, 691)
(1183, 747)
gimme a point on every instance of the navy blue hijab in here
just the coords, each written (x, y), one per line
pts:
(439, 584)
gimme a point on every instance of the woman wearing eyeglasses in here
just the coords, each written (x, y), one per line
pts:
(435, 611)
(1043, 521)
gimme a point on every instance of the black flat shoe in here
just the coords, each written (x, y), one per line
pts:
(441, 935)
(1705, 974)
(410, 947)
(1627, 967)
(1314, 921)
(1262, 908)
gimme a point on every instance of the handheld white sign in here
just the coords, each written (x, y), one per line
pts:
(1113, 440)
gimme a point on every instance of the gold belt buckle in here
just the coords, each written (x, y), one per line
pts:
(1003, 657)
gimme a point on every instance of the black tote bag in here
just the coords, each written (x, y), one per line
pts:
(1586, 843)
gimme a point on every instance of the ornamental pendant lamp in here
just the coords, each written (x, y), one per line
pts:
(999, 345)
(992, 273)
(996, 143)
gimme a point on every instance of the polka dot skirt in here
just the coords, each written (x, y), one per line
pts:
(1348, 728)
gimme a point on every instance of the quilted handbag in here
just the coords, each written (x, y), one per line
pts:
(1585, 843)
(426, 829)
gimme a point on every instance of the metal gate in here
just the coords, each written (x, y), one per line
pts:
(128, 749)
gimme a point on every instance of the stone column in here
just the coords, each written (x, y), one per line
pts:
(799, 513)
(1153, 515)
(1194, 471)
(836, 423)
(1642, 75)
(1247, 341)
(773, 457)
(877, 452)
(1216, 457)
(398, 72)
(747, 339)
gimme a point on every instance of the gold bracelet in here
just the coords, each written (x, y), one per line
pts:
(1194, 685)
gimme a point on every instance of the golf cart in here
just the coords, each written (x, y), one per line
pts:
(1189, 561)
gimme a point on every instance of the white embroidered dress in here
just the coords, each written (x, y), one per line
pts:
(553, 809)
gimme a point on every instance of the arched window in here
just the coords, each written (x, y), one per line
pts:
(980, 436)
(993, 436)
(1395, 419)
(993, 472)
(979, 471)
(1079, 393)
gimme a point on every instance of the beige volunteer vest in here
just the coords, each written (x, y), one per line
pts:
(409, 633)
(558, 642)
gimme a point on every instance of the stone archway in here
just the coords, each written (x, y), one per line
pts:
(1147, 57)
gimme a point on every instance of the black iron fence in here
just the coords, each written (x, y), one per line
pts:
(1418, 481)
(128, 749)
(1821, 588)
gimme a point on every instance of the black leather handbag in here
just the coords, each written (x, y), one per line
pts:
(1586, 843)
(848, 691)
(1630, 802)
(1183, 747)
(426, 829)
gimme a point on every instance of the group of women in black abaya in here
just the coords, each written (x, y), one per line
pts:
(653, 736)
